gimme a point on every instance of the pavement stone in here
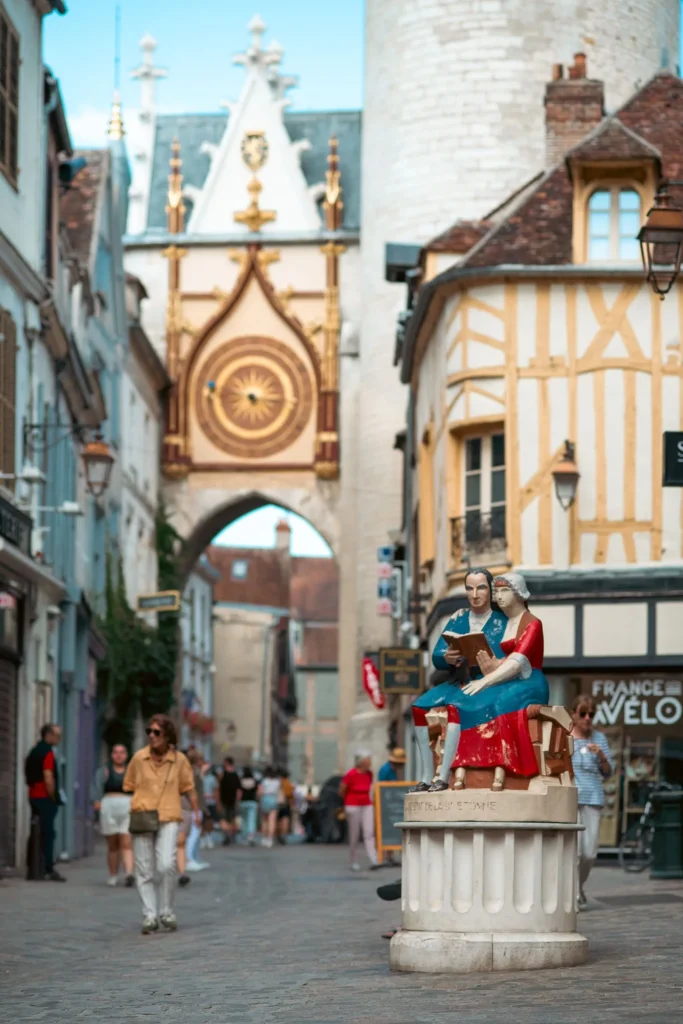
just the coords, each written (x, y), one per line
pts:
(290, 936)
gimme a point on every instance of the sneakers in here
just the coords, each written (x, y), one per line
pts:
(184, 880)
(196, 865)
(355, 867)
(130, 881)
(150, 924)
(54, 876)
(582, 900)
(112, 881)
(169, 922)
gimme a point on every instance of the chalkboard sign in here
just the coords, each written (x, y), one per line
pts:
(388, 810)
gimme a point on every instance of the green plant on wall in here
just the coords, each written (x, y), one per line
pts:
(136, 677)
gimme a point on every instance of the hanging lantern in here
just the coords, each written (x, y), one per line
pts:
(661, 243)
(98, 460)
(566, 477)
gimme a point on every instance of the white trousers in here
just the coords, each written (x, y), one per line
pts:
(361, 818)
(589, 817)
(156, 850)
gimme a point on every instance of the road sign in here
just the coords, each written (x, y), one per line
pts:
(385, 588)
(385, 554)
(673, 458)
(385, 606)
(163, 601)
(385, 570)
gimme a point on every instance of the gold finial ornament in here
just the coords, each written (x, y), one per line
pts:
(254, 150)
(254, 156)
(333, 205)
(175, 207)
(116, 129)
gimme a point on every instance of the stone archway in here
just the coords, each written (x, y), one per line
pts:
(200, 510)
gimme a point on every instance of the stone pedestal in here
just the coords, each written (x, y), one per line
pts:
(487, 895)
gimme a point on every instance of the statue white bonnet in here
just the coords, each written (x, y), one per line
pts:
(516, 583)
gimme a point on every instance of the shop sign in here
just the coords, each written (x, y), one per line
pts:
(673, 458)
(401, 670)
(654, 703)
(163, 601)
(371, 681)
(15, 526)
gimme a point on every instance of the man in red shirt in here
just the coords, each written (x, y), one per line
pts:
(42, 779)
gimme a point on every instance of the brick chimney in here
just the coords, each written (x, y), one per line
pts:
(573, 107)
(283, 537)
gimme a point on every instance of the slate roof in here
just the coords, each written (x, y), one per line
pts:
(78, 205)
(460, 237)
(317, 126)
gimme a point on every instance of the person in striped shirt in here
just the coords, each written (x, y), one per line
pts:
(592, 763)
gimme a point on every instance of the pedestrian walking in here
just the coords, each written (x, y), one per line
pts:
(44, 794)
(391, 770)
(355, 791)
(284, 811)
(248, 805)
(157, 776)
(113, 806)
(210, 782)
(592, 762)
(269, 793)
(229, 794)
(196, 760)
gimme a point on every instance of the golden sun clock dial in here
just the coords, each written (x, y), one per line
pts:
(254, 397)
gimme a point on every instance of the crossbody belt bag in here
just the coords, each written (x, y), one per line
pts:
(148, 821)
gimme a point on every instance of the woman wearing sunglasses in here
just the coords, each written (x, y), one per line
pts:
(592, 763)
(157, 776)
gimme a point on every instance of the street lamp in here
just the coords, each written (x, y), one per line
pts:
(566, 477)
(98, 461)
(661, 242)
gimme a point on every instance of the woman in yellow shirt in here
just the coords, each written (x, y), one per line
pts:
(157, 776)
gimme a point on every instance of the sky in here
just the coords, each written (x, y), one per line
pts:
(323, 44)
(257, 530)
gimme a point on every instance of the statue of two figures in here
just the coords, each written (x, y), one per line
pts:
(490, 721)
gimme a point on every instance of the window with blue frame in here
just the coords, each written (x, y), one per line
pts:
(614, 219)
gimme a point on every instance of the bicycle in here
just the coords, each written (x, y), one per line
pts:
(635, 848)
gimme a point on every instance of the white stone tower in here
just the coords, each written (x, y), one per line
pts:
(453, 122)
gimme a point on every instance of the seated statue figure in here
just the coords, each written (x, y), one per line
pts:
(493, 709)
(479, 618)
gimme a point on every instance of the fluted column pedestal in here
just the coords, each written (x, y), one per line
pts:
(487, 896)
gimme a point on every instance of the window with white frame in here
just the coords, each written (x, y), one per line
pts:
(613, 224)
(485, 488)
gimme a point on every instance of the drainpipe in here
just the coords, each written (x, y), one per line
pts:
(264, 691)
(49, 107)
(409, 458)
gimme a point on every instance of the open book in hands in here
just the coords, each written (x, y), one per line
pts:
(468, 645)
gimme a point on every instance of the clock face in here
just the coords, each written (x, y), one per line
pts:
(254, 397)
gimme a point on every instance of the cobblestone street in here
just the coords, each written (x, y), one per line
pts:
(290, 936)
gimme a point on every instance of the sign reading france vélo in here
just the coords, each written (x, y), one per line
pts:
(163, 601)
(654, 703)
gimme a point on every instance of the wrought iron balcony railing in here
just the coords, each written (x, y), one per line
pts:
(478, 535)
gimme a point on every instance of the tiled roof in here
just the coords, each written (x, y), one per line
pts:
(309, 587)
(264, 583)
(538, 231)
(194, 129)
(78, 205)
(460, 237)
(612, 140)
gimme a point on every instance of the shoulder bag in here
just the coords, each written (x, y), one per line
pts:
(148, 821)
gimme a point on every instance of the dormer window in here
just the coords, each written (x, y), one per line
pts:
(614, 221)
